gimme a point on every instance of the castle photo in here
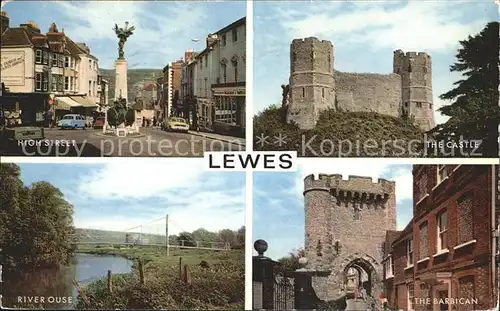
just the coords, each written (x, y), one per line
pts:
(348, 79)
(421, 237)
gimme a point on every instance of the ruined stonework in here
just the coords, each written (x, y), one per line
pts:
(315, 86)
(345, 227)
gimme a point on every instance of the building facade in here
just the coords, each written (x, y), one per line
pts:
(172, 89)
(41, 65)
(445, 258)
(229, 88)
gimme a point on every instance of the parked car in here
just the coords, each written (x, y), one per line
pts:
(176, 124)
(72, 121)
(99, 122)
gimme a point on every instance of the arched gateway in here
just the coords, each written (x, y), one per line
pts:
(346, 223)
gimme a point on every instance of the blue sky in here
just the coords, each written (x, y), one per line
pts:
(128, 193)
(278, 204)
(164, 29)
(364, 35)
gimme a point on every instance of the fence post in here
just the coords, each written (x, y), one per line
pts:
(180, 267)
(263, 278)
(110, 282)
(141, 272)
(187, 275)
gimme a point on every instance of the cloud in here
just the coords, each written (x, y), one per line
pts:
(128, 193)
(381, 26)
(369, 168)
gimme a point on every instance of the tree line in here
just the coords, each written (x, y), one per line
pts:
(35, 223)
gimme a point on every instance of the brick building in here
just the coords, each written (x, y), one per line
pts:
(448, 248)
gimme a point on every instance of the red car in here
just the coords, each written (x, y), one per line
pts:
(99, 122)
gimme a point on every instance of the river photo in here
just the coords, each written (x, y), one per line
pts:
(55, 285)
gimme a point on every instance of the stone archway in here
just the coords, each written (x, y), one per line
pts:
(360, 272)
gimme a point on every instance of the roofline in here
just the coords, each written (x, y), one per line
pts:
(237, 23)
(17, 46)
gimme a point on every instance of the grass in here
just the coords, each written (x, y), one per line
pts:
(218, 286)
(340, 134)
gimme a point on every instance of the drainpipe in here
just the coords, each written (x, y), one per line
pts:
(494, 230)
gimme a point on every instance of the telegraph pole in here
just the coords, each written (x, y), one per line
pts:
(166, 235)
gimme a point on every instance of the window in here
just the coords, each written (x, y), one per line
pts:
(94, 87)
(234, 34)
(54, 60)
(201, 63)
(66, 83)
(442, 238)
(323, 92)
(443, 172)
(72, 83)
(409, 252)
(38, 56)
(419, 105)
(411, 295)
(50, 59)
(54, 82)
(66, 62)
(423, 242)
(430, 106)
(206, 90)
(45, 81)
(60, 83)
(389, 265)
(206, 60)
(90, 63)
(235, 66)
(90, 88)
(38, 81)
(357, 213)
(60, 60)
(224, 72)
(45, 58)
(224, 40)
(465, 219)
(303, 92)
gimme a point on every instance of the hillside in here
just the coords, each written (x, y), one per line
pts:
(93, 235)
(339, 134)
(135, 77)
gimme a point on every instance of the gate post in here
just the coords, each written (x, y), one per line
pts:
(305, 298)
(263, 278)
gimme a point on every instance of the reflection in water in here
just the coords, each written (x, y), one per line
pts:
(55, 286)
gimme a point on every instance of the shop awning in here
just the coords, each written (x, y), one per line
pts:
(84, 101)
(65, 103)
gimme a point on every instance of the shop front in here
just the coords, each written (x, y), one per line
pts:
(230, 108)
(23, 109)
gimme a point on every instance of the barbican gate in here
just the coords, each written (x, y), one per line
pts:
(315, 85)
(345, 227)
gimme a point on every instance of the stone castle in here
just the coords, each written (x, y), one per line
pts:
(315, 85)
(345, 227)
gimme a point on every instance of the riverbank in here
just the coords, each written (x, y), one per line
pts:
(214, 280)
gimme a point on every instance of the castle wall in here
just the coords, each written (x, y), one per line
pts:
(330, 204)
(379, 93)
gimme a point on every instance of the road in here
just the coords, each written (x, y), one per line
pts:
(152, 143)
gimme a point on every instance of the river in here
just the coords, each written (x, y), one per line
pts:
(56, 285)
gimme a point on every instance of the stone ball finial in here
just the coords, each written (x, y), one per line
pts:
(303, 262)
(260, 246)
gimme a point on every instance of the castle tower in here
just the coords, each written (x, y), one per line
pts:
(312, 87)
(416, 87)
(345, 225)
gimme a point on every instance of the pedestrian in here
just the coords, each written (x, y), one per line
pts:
(356, 293)
(363, 293)
(143, 121)
(154, 121)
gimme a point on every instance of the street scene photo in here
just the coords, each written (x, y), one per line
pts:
(376, 79)
(373, 236)
(122, 236)
(122, 79)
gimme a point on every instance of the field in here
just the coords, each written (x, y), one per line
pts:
(186, 279)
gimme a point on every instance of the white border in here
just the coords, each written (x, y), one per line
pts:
(249, 79)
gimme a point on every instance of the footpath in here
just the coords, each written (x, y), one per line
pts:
(227, 139)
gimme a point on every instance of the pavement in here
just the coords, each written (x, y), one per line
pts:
(152, 142)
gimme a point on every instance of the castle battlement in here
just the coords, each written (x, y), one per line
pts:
(355, 184)
(311, 40)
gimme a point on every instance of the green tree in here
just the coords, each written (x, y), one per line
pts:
(36, 223)
(204, 235)
(474, 111)
(291, 262)
(186, 239)
(240, 238)
(228, 236)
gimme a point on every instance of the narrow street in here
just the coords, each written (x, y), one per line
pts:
(151, 143)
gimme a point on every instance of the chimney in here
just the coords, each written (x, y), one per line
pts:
(31, 25)
(211, 39)
(4, 22)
